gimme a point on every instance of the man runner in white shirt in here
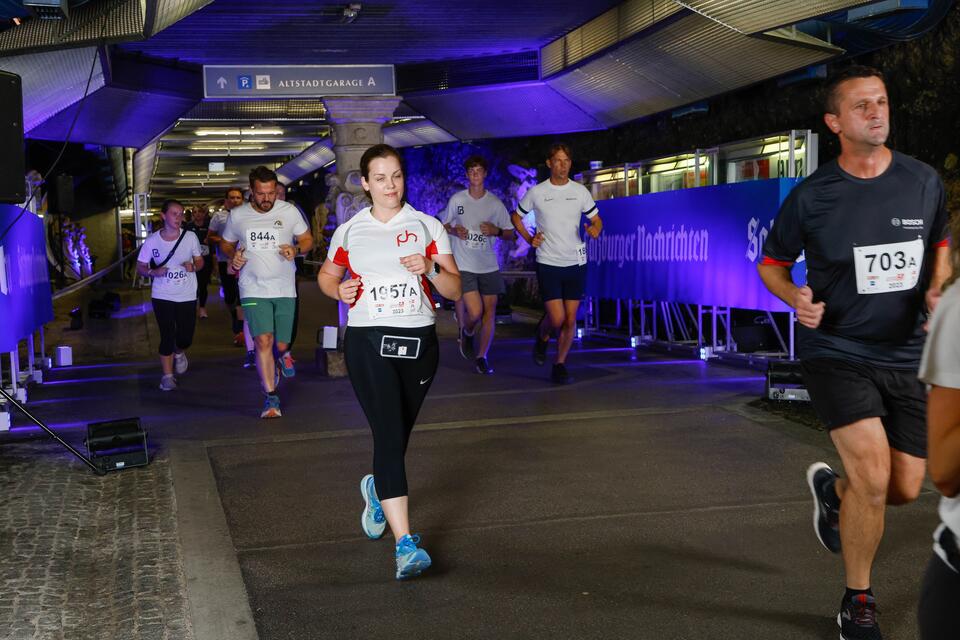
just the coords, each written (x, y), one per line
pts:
(559, 203)
(262, 238)
(474, 217)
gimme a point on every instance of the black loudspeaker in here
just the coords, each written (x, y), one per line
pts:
(60, 194)
(13, 188)
(117, 444)
(785, 381)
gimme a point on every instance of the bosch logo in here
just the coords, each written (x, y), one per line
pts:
(895, 222)
(278, 224)
(402, 239)
(156, 253)
(459, 209)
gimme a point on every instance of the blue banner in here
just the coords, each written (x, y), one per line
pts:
(695, 246)
(25, 299)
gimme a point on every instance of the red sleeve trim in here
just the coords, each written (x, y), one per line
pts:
(767, 260)
(432, 249)
(341, 258)
(943, 243)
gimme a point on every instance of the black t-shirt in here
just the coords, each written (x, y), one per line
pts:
(200, 230)
(869, 247)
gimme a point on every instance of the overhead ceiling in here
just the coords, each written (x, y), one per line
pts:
(465, 70)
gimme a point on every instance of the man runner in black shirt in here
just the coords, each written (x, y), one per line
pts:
(872, 224)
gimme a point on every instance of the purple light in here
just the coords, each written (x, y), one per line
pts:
(135, 376)
(107, 364)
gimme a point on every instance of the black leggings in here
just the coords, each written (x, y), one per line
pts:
(177, 321)
(203, 280)
(939, 596)
(391, 392)
(231, 294)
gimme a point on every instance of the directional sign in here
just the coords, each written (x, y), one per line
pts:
(297, 81)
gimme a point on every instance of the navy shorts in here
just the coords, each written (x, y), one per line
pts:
(561, 283)
(843, 392)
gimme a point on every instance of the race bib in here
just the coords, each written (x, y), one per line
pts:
(581, 254)
(263, 240)
(175, 278)
(475, 240)
(882, 268)
(392, 298)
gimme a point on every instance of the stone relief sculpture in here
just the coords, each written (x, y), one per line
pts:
(524, 179)
(349, 197)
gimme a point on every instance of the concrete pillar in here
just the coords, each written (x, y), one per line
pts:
(357, 124)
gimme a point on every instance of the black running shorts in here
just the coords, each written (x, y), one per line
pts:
(843, 392)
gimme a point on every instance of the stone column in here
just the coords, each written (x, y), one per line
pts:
(357, 124)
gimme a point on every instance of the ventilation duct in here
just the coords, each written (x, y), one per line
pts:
(54, 80)
(415, 132)
(404, 134)
(689, 59)
(273, 110)
(622, 23)
(314, 157)
(755, 16)
(106, 21)
(144, 164)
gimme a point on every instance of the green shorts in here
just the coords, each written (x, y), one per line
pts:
(270, 315)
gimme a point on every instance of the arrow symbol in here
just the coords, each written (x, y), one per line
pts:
(222, 82)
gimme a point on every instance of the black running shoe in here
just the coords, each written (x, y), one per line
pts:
(466, 345)
(826, 514)
(858, 619)
(483, 366)
(559, 374)
(250, 362)
(540, 351)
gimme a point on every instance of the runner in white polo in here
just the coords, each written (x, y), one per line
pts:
(474, 217)
(559, 204)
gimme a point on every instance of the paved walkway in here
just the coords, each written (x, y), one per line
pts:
(646, 500)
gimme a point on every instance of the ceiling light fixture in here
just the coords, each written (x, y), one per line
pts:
(252, 131)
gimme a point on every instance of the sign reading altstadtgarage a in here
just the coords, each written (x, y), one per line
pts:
(297, 81)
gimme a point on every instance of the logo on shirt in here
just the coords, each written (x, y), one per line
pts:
(402, 239)
(156, 253)
(907, 223)
(278, 224)
(459, 209)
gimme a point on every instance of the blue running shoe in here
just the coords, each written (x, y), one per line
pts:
(371, 520)
(286, 365)
(411, 560)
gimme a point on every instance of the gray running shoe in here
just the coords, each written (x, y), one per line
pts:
(168, 383)
(180, 363)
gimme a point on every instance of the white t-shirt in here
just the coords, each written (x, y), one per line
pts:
(178, 285)
(475, 253)
(266, 274)
(216, 226)
(940, 366)
(389, 295)
(557, 211)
